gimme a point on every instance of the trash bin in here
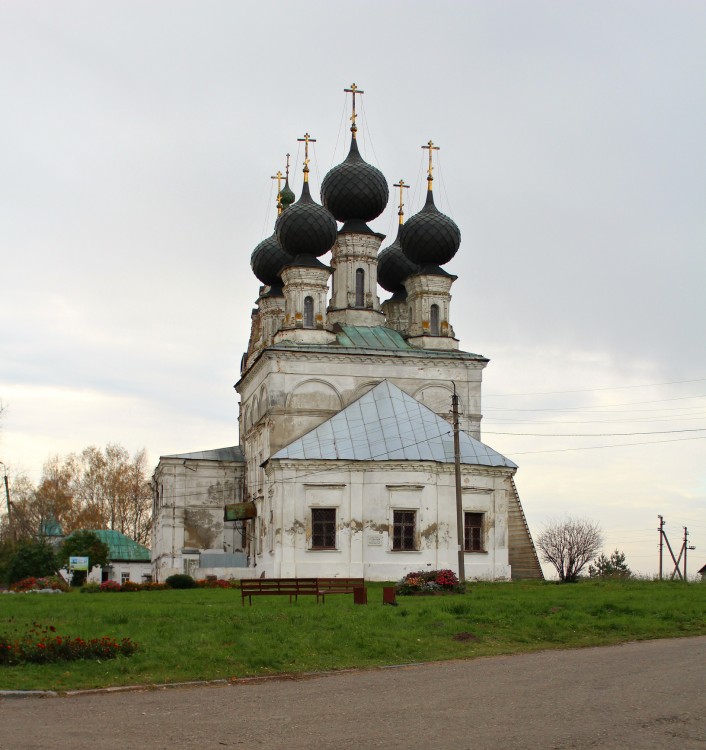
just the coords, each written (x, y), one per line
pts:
(388, 595)
(360, 595)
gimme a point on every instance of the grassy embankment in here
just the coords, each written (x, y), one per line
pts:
(206, 634)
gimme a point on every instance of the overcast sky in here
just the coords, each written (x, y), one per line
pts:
(137, 141)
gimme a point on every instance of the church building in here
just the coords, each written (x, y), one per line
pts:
(346, 459)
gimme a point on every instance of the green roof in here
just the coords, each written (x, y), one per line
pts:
(372, 337)
(121, 547)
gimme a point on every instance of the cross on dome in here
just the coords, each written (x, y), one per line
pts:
(401, 185)
(431, 148)
(306, 140)
(353, 90)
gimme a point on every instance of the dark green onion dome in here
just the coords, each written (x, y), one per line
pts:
(394, 267)
(306, 228)
(430, 238)
(267, 261)
(354, 189)
(286, 196)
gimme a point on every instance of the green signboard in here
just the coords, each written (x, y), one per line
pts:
(239, 511)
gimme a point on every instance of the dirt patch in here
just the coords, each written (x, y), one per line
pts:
(464, 637)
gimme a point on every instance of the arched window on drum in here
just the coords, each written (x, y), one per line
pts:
(308, 312)
(360, 288)
(434, 320)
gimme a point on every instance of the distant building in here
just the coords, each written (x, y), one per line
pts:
(127, 560)
(345, 465)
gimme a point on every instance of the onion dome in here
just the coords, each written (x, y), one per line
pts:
(394, 267)
(430, 238)
(267, 261)
(306, 228)
(286, 196)
(354, 189)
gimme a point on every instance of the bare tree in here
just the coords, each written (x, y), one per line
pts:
(570, 545)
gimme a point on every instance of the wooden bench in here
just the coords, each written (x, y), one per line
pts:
(339, 585)
(291, 587)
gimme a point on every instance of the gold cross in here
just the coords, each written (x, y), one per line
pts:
(287, 169)
(353, 90)
(307, 139)
(279, 176)
(431, 148)
(401, 185)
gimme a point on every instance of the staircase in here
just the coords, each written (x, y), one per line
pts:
(523, 556)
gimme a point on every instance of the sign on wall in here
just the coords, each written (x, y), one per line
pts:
(239, 511)
(78, 563)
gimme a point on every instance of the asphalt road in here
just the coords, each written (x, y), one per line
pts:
(637, 696)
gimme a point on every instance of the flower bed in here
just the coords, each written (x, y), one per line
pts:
(429, 582)
(55, 583)
(214, 583)
(42, 645)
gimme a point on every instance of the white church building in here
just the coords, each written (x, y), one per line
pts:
(345, 463)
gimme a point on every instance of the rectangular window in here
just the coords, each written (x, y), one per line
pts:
(124, 577)
(473, 532)
(323, 528)
(404, 526)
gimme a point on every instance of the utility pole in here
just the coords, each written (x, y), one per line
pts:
(686, 547)
(661, 543)
(9, 504)
(459, 500)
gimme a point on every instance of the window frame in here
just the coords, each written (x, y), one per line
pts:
(400, 530)
(332, 531)
(473, 533)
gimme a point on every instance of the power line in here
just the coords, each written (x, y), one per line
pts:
(599, 407)
(594, 390)
(597, 447)
(593, 434)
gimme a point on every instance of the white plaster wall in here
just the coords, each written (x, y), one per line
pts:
(365, 495)
(190, 510)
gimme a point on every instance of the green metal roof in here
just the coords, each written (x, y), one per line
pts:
(121, 547)
(373, 337)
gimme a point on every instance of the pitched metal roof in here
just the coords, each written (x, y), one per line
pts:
(372, 337)
(121, 547)
(234, 453)
(384, 341)
(387, 424)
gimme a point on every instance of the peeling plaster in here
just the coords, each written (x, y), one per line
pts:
(201, 529)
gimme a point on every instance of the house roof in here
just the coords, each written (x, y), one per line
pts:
(233, 453)
(121, 547)
(387, 424)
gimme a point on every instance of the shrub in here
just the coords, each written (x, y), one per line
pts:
(610, 567)
(110, 586)
(90, 588)
(429, 582)
(181, 581)
(154, 586)
(131, 586)
(31, 559)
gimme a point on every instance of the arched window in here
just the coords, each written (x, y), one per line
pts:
(434, 320)
(308, 312)
(360, 288)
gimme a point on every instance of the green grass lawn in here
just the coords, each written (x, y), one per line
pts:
(206, 634)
